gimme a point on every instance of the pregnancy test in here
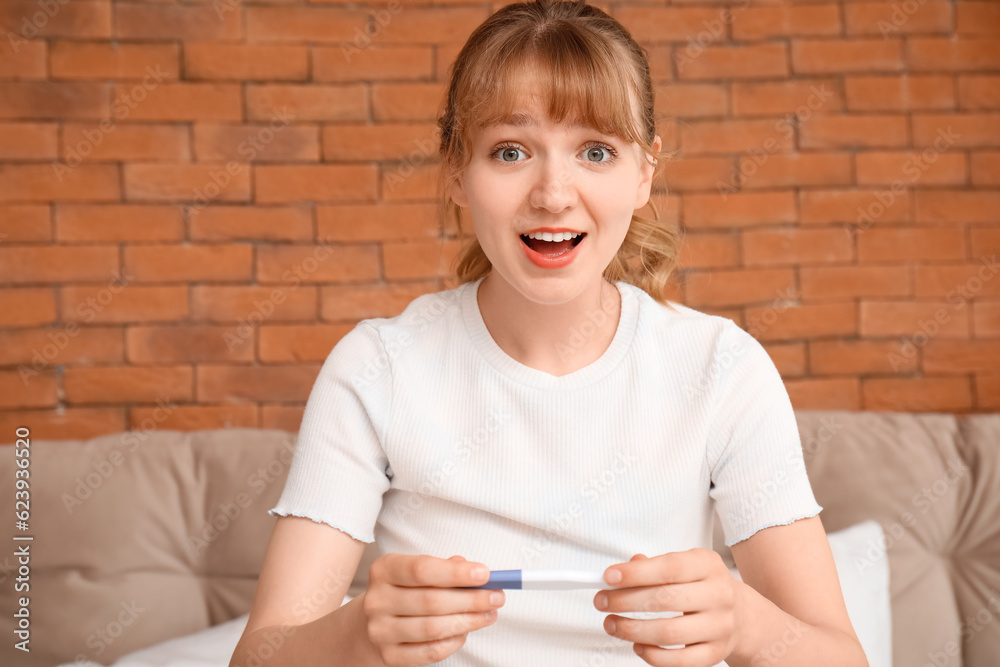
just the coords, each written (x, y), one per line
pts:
(544, 580)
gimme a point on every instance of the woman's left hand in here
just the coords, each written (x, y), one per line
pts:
(695, 582)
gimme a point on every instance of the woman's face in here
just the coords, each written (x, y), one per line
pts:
(557, 177)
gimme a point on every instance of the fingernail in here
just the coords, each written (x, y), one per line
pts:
(496, 598)
(480, 573)
(611, 625)
(614, 576)
(601, 601)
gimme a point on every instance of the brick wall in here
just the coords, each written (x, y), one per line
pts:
(198, 199)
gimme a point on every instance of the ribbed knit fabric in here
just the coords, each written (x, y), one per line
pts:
(423, 435)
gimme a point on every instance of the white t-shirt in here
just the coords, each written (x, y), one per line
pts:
(422, 435)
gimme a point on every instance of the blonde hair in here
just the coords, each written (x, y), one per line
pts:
(579, 49)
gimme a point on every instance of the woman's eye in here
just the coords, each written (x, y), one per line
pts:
(593, 153)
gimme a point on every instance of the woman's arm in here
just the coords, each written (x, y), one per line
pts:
(797, 614)
(297, 617)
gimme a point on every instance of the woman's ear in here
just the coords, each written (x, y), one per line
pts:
(457, 192)
(646, 181)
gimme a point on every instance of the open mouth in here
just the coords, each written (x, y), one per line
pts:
(552, 248)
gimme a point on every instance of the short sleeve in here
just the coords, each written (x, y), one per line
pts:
(754, 451)
(339, 470)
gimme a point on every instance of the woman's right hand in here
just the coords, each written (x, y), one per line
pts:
(416, 615)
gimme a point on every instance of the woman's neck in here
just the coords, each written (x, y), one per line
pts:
(557, 339)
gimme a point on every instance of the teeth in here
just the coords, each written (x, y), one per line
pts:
(547, 236)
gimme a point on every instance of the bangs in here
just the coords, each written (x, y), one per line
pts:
(572, 72)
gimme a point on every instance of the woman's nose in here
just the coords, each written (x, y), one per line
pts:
(554, 189)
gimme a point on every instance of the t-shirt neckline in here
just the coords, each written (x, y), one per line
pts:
(483, 341)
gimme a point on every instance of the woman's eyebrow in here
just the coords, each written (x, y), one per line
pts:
(527, 120)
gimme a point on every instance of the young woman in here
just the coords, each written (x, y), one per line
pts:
(554, 411)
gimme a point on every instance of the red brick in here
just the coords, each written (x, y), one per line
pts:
(985, 167)
(55, 264)
(899, 93)
(184, 263)
(24, 388)
(699, 173)
(907, 318)
(201, 183)
(781, 170)
(418, 259)
(856, 357)
(738, 287)
(177, 22)
(780, 21)
(118, 223)
(287, 184)
(986, 319)
(839, 282)
(207, 60)
(80, 19)
(794, 246)
(48, 182)
(21, 223)
(228, 223)
(769, 98)
(418, 25)
(24, 60)
(28, 141)
(691, 100)
(856, 130)
(954, 357)
(179, 101)
(313, 264)
(959, 282)
(113, 60)
(250, 304)
(827, 56)
(109, 141)
(665, 24)
(977, 18)
(352, 303)
(195, 417)
(733, 136)
(925, 394)
(709, 250)
(186, 344)
(406, 101)
(283, 417)
(332, 64)
(784, 322)
(302, 103)
(127, 384)
(987, 392)
(824, 393)
(970, 130)
(300, 342)
(35, 100)
(408, 182)
(27, 306)
(979, 92)
(352, 143)
(957, 206)
(240, 384)
(924, 243)
(887, 19)
(756, 61)
(788, 358)
(127, 304)
(379, 222)
(860, 207)
(741, 209)
(262, 142)
(946, 54)
(305, 24)
(42, 349)
(985, 241)
(910, 168)
(65, 424)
